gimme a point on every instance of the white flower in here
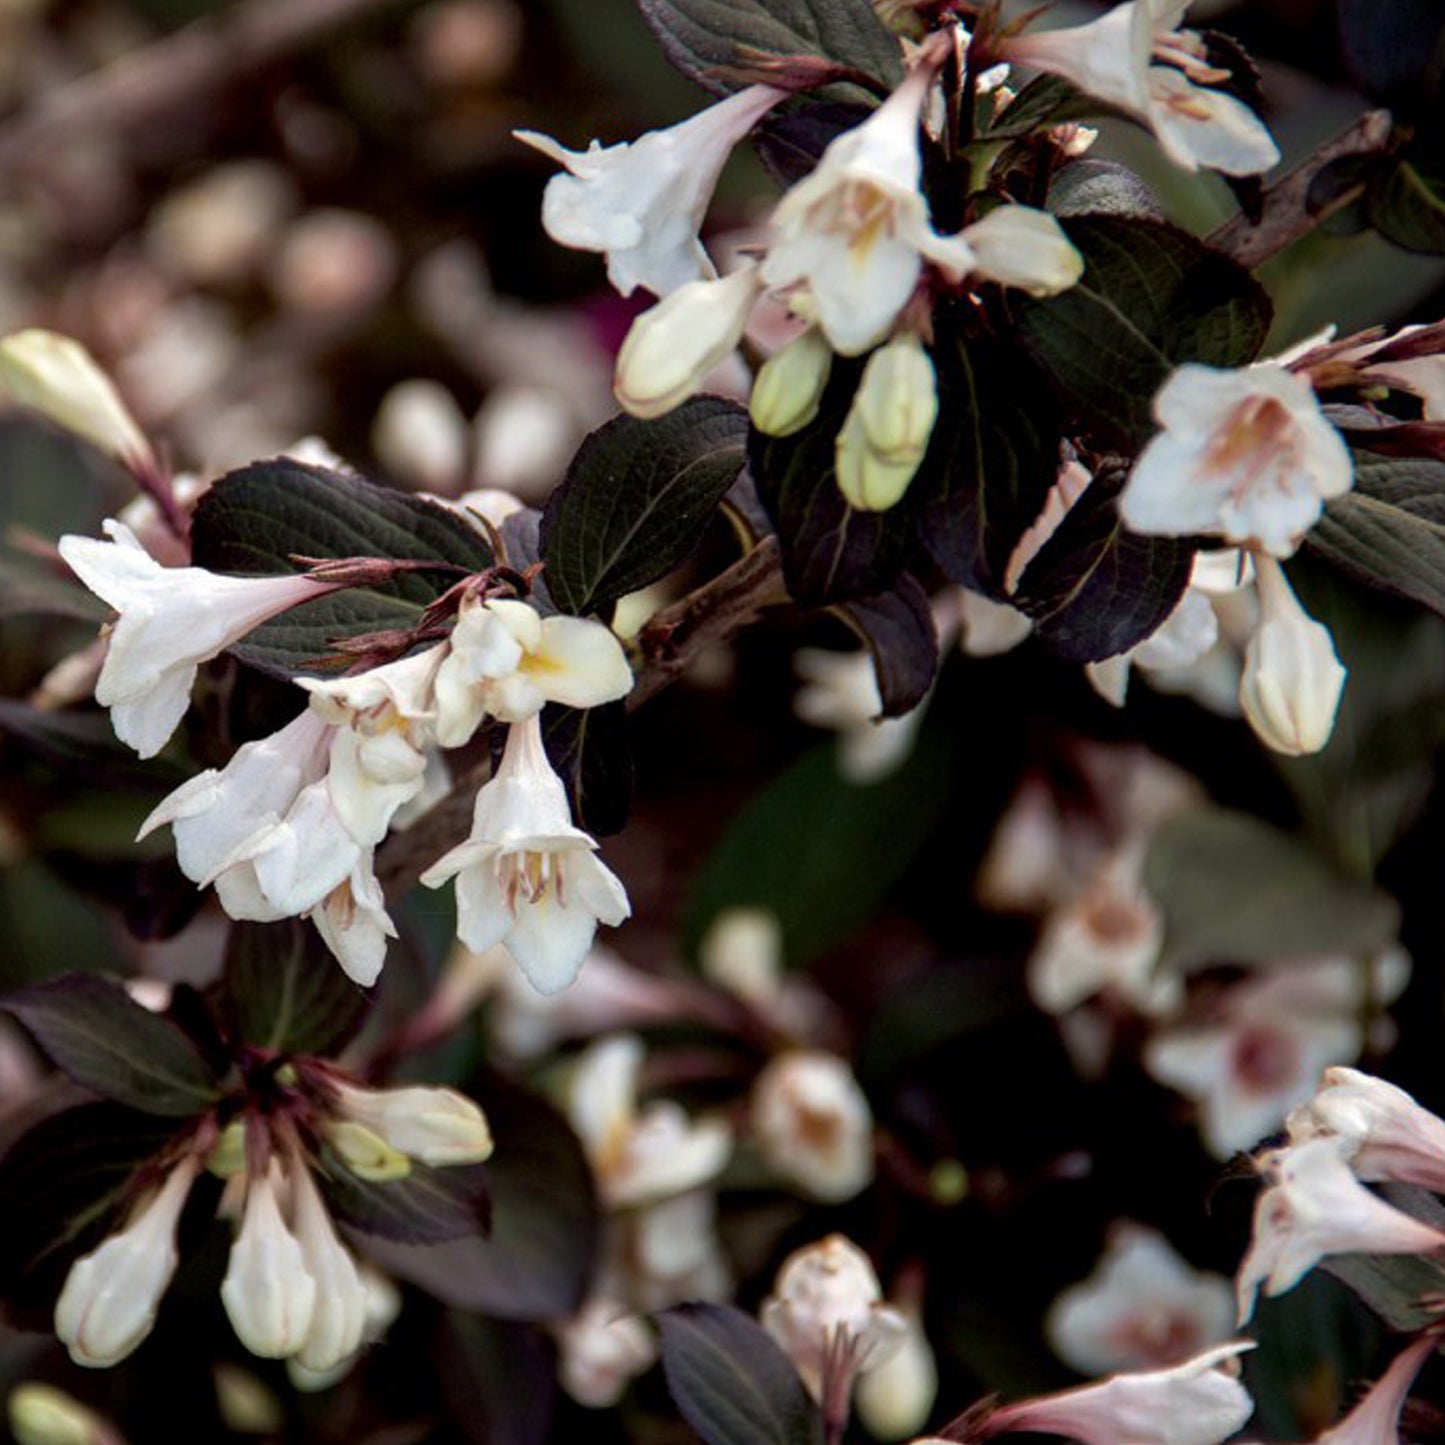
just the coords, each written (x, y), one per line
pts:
(507, 661)
(1292, 681)
(643, 203)
(1199, 1402)
(526, 877)
(813, 1125)
(670, 349)
(171, 620)
(421, 435)
(436, 1125)
(827, 1294)
(1143, 1307)
(1178, 642)
(339, 1318)
(840, 691)
(601, 1348)
(111, 1295)
(1244, 454)
(354, 924)
(1314, 1207)
(1113, 58)
(885, 434)
(269, 1295)
(58, 377)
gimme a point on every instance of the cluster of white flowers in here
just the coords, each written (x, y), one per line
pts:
(292, 1289)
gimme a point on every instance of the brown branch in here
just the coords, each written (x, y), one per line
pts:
(669, 644)
(174, 74)
(1287, 215)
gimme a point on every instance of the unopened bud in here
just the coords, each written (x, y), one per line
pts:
(888, 426)
(58, 377)
(365, 1153)
(671, 348)
(228, 1157)
(1292, 678)
(269, 1295)
(790, 384)
(438, 1126)
(895, 1399)
(43, 1415)
(246, 1405)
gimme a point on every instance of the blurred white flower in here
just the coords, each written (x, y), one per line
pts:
(1177, 643)
(988, 628)
(813, 1125)
(420, 434)
(42, 1415)
(840, 691)
(601, 1348)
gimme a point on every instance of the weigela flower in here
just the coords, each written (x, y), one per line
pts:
(526, 877)
(813, 1125)
(110, 1297)
(171, 620)
(1245, 455)
(840, 691)
(1142, 1308)
(354, 924)
(643, 202)
(1293, 678)
(1315, 1207)
(601, 1348)
(1136, 58)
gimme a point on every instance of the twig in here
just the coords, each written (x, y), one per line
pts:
(1287, 215)
(175, 73)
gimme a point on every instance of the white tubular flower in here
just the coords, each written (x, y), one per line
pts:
(840, 691)
(268, 1292)
(1142, 1308)
(1376, 1419)
(1198, 1402)
(111, 1295)
(526, 877)
(339, 1318)
(42, 1415)
(789, 385)
(171, 620)
(1384, 1133)
(856, 228)
(1115, 59)
(1025, 248)
(354, 924)
(1245, 454)
(1293, 678)
(601, 1348)
(1314, 1207)
(507, 661)
(299, 862)
(888, 425)
(813, 1125)
(643, 203)
(670, 349)
(433, 1124)
(827, 1293)
(58, 377)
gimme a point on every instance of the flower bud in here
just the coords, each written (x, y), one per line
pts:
(437, 1126)
(813, 1124)
(1023, 247)
(888, 426)
(366, 1153)
(228, 1156)
(268, 1292)
(59, 378)
(1293, 678)
(43, 1415)
(111, 1295)
(790, 384)
(896, 1398)
(339, 1318)
(671, 348)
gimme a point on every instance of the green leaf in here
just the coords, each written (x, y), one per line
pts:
(636, 500)
(253, 521)
(1389, 531)
(83, 746)
(1096, 589)
(732, 1383)
(1406, 205)
(1403, 1290)
(96, 1033)
(992, 459)
(897, 629)
(791, 141)
(591, 751)
(1233, 889)
(1151, 297)
(706, 39)
(428, 1206)
(536, 1261)
(286, 993)
(831, 553)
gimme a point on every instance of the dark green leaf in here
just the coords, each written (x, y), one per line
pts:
(1046, 100)
(287, 994)
(1095, 589)
(428, 1206)
(636, 500)
(1151, 297)
(732, 1383)
(1389, 532)
(252, 521)
(1233, 889)
(897, 629)
(831, 552)
(792, 141)
(97, 1034)
(707, 39)
(536, 1261)
(590, 749)
(992, 459)
(1405, 202)
(62, 1184)
(83, 745)
(1404, 1290)
(498, 1381)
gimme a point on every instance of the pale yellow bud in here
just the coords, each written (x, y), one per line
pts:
(790, 385)
(366, 1154)
(43, 1415)
(228, 1157)
(888, 426)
